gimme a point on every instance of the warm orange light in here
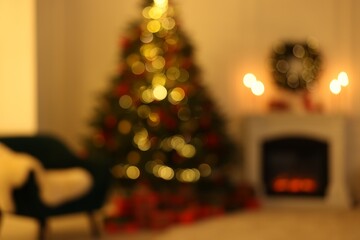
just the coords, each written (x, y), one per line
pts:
(294, 185)
(280, 185)
(343, 79)
(309, 185)
(258, 88)
(335, 86)
(249, 80)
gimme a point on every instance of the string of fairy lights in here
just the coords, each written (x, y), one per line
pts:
(162, 86)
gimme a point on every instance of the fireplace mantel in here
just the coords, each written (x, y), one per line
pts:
(329, 128)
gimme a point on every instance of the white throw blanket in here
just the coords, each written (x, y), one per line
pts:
(56, 186)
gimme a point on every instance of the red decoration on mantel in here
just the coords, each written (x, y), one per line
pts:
(295, 102)
(279, 105)
(309, 103)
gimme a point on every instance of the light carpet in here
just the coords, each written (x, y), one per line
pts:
(273, 224)
(263, 224)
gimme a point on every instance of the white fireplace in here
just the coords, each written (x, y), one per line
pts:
(327, 128)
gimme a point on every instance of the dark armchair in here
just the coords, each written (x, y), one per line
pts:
(53, 154)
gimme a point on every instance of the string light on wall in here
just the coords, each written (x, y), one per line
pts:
(256, 86)
(336, 85)
(340, 98)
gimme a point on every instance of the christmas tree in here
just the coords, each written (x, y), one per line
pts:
(157, 122)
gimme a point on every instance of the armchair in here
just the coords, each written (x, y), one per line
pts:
(53, 154)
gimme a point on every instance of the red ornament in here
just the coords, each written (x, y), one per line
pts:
(131, 227)
(162, 218)
(187, 63)
(111, 227)
(212, 140)
(110, 121)
(122, 89)
(189, 215)
(125, 43)
(279, 105)
(145, 204)
(122, 207)
(168, 121)
(205, 122)
(211, 211)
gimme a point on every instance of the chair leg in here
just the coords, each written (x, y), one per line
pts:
(95, 231)
(42, 229)
(1, 218)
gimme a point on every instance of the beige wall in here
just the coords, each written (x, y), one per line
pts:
(79, 50)
(78, 53)
(18, 94)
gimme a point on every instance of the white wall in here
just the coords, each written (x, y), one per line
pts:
(18, 94)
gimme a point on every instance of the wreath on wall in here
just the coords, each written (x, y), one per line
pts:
(295, 65)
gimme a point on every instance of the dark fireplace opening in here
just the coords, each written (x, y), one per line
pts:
(295, 166)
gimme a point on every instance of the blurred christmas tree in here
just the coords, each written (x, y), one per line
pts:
(157, 122)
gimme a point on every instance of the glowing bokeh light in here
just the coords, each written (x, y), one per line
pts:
(147, 96)
(146, 37)
(343, 79)
(138, 68)
(161, 2)
(166, 173)
(205, 170)
(159, 92)
(173, 73)
(159, 79)
(125, 101)
(154, 119)
(335, 86)
(141, 137)
(184, 75)
(249, 79)
(176, 95)
(132, 172)
(124, 127)
(153, 26)
(258, 88)
(188, 151)
(158, 63)
(145, 12)
(143, 111)
(168, 23)
(149, 51)
(177, 142)
(132, 58)
(188, 175)
(156, 12)
(144, 145)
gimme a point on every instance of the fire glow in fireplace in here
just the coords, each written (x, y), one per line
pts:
(297, 160)
(295, 166)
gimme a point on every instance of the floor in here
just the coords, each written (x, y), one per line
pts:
(71, 227)
(263, 224)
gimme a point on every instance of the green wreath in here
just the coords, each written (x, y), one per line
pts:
(295, 65)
